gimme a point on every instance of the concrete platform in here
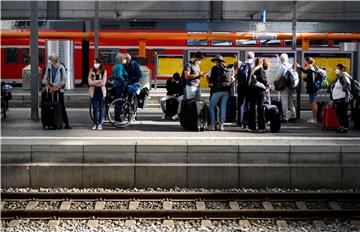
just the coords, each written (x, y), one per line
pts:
(156, 153)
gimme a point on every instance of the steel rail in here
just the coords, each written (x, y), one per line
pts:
(209, 213)
(184, 195)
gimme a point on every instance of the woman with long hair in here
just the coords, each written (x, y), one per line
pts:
(97, 91)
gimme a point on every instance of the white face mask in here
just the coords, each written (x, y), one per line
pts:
(124, 61)
(96, 65)
(337, 71)
(198, 62)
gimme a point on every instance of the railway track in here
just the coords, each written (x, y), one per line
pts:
(180, 205)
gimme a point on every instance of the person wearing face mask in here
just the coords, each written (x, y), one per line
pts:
(55, 78)
(97, 91)
(311, 72)
(220, 84)
(191, 75)
(256, 95)
(119, 77)
(132, 68)
(342, 96)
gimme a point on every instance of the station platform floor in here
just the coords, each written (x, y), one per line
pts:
(156, 153)
(150, 125)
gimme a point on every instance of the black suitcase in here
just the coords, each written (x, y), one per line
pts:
(194, 115)
(51, 114)
(171, 107)
(231, 109)
(278, 104)
(272, 115)
(355, 114)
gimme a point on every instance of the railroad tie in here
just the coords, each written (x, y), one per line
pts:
(281, 223)
(167, 205)
(92, 223)
(318, 224)
(301, 205)
(267, 205)
(200, 205)
(244, 223)
(206, 223)
(134, 205)
(234, 205)
(65, 205)
(99, 205)
(168, 223)
(13, 223)
(31, 205)
(53, 223)
(334, 205)
(130, 223)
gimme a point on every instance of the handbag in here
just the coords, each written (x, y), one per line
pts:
(280, 84)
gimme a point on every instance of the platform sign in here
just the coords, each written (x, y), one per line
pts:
(168, 65)
(330, 61)
(207, 64)
(274, 62)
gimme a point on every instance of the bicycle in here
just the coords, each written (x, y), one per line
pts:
(126, 104)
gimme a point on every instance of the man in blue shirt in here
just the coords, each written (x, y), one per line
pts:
(133, 70)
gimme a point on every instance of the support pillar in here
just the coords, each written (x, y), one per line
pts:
(34, 60)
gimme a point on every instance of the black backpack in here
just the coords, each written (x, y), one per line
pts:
(243, 74)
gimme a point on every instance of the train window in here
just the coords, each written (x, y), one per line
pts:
(221, 42)
(25, 56)
(289, 43)
(12, 55)
(245, 42)
(336, 43)
(108, 55)
(193, 42)
(269, 42)
(318, 43)
(135, 56)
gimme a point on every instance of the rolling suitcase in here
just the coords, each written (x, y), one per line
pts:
(272, 115)
(320, 104)
(51, 114)
(171, 107)
(329, 118)
(194, 115)
(355, 114)
(231, 109)
(278, 104)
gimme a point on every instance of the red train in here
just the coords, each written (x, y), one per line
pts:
(15, 52)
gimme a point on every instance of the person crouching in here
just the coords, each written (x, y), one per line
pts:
(174, 90)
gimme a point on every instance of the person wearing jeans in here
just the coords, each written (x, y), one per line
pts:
(220, 84)
(97, 91)
(55, 78)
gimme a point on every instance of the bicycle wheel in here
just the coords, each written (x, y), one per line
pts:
(125, 116)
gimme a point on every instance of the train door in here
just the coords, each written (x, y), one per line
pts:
(206, 64)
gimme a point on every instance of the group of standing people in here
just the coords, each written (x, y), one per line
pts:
(125, 71)
(253, 88)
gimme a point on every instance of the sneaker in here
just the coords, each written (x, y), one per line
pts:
(210, 128)
(312, 121)
(249, 130)
(262, 131)
(99, 127)
(174, 117)
(163, 117)
(221, 127)
(93, 127)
